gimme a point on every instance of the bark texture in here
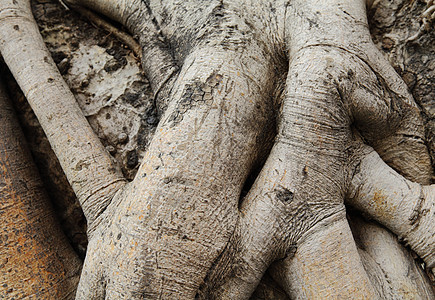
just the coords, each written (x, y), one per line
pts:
(184, 228)
(72, 133)
(36, 259)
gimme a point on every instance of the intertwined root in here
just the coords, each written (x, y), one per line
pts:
(176, 217)
(177, 226)
(90, 170)
(295, 208)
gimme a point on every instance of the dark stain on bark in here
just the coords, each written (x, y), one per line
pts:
(195, 94)
(81, 165)
(284, 195)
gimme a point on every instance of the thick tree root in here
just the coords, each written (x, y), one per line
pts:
(407, 208)
(182, 204)
(36, 260)
(176, 227)
(87, 165)
(312, 274)
(391, 267)
(310, 166)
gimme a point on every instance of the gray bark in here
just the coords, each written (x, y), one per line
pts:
(178, 230)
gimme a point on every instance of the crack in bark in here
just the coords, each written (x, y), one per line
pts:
(195, 94)
(417, 210)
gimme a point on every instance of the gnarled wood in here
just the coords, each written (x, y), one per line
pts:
(92, 174)
(177, 226)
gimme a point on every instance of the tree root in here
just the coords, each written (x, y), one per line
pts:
(122, 36)
(176, 229)
(405, 207)
(93, 175)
